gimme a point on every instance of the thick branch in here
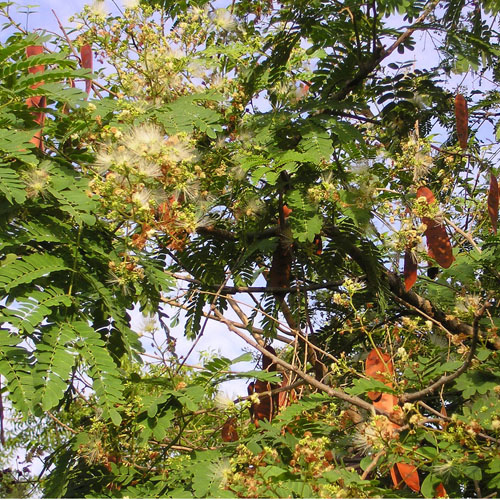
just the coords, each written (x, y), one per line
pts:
(225, 235)
(230, 290)
(421, 305)
(451, 323)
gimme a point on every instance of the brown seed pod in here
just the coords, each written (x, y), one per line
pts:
(410, 269)
(87, 62)
(493, 202)
(229, 432)
(462, 120)
(438, 242)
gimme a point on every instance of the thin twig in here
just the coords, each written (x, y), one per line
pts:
(62, 424)
(335, 393)
(467, 236)
(373, 464)
(446, 379)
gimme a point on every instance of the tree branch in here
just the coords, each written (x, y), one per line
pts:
(230, 290)
(334, 393)
(378, 57)
(446, 379)
(422, 306)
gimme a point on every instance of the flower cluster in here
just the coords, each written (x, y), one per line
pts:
(149, 178)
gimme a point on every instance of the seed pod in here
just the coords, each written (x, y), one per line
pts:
(438, 242)
(379, 366)
(410, 269)
(229, 432)
(462, 120)
(37, 101)
(493, 202)
(407, 473)
(318, 244)
(87, 62)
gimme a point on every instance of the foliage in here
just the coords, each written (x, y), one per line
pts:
(277, 163)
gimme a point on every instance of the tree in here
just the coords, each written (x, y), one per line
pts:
(298, 174)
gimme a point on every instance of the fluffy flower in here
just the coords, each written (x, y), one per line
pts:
(98, 8)
(108, 159)
(148, 169)
(223, 401)
(145, 139)
(131, 4)
(142, 198)
(36, 181)
(225, 20)
(179, 149)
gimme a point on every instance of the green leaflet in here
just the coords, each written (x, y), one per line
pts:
(12, 186)
(362, 386)
(28, 269)
(43, 59)
(304, 220)
(20, 44)
(72, 194)
(106, 379)
(30, 310)
(16, 144)
(184, 115)
(55, 358)
(316, 142)
(15, 366)
(55, 75)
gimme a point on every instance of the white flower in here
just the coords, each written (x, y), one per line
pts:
(366, 439)
(224, 20)
(198, 12)
(131, 4)
(142, 198)
(98, 8)
(401, 352)
(223, 401)
(36, 181)
(148, 169)
(220, 471)
(144, 139)
(175, 53)
(104, 160)
(179, 149)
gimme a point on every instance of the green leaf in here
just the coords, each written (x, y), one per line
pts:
(11, 185)
(429, 485)
(363, 385)
(316, 143)
(28, 269)
(16, 144)
(272, 471)
(55, 358)
(102, 369)
(15, 366)
(472, 471)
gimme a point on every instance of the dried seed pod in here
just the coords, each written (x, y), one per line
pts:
(229, 432)
(405, 473)
(318, 244)
(462, 120)
(493, 202)
(87, 62)
(438, 242)
(379, 366)
(410, 269)
(37, 101)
